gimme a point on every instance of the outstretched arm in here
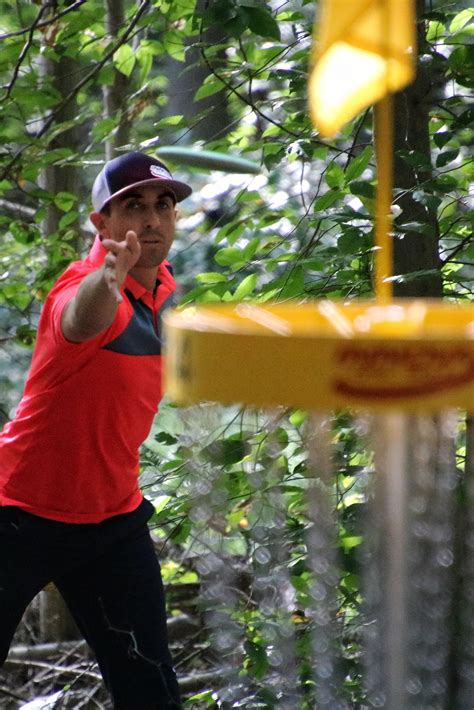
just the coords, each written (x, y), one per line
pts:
(93, 308)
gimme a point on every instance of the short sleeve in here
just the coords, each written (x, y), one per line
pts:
(63, 292)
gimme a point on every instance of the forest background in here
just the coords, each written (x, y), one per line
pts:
(82, 81)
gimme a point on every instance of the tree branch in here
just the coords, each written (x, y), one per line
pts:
(463, 243)
(39, 25)
(108, 55)
(50, 120)
(21, 211)
(231, 89)
(24, 52)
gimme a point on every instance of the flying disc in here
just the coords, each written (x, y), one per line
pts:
(195, 157)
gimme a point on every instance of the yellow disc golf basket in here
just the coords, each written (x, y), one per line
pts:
(412, 355)
(396, 358)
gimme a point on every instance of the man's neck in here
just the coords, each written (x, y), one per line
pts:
(145, 276)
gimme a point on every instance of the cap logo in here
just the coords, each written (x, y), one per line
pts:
(158, 171)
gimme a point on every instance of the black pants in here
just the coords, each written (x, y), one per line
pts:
(110, 578)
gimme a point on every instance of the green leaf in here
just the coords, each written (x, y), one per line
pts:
(446, 157)
(34, 100)
(362, 189)
(180, 533)
(160, 502)
(169, 121)
(442, 137)
(211, 277)
(210, 86)
(416, 159)
(237, 25)
(173, 44)
(461, 20)
(17, 295)
(64, 200)
(145, 56)
(351, 583)
(68, 219)
(301, 583)
(207, 697)
(163, 437)
(461, 62)
(203, 294)
(326, 200)
(250, 249)
(220, 12)
(357, 165)
(225, 452)
(257, 656)
(350, 541)
(435, 31)
(103, 128)
(228, 256)
(262, 22)
(349, 242)
(124, 59)
(271, 132)
(246, 287)
(22, 233)
(335, 176)
(298, 417)
(106, 75)
(25, 335)
(272, 148)
(292, 283)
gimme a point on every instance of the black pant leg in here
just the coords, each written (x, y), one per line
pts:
(26, 566)
(118, 603)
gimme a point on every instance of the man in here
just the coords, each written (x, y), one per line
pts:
(71, 511)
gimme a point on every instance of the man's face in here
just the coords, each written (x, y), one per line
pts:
(150, 212)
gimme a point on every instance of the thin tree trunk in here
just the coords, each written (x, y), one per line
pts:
(55, 620)
(61, 178)
(185, 79)
(115, 95)
(416, 255)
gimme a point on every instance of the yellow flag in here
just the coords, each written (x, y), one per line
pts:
(363, 49)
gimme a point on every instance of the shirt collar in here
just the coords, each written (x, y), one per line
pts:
(96, 258)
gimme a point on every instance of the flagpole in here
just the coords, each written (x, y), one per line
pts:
(383, 139)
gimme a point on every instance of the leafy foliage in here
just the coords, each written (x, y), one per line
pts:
(231, 481)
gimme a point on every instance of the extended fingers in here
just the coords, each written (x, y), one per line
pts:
(133, 243)
(131, 238)
(120, 258)
(114, 247)
(129, 246)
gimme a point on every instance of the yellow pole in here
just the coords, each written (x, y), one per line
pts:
(383, 216)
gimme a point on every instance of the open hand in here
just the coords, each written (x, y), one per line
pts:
(122, 256)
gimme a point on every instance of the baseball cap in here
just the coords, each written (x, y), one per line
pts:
(130, 170)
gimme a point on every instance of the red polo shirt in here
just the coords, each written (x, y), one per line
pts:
(72, 451)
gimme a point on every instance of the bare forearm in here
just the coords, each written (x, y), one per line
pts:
(91, 311)
(93, 308)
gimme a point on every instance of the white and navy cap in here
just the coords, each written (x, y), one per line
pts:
(130, 170)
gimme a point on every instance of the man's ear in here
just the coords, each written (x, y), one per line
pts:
(99, 221)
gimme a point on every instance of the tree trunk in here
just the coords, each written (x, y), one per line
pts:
(185, 79)
(115, 95)
(55, 621)
(61, 178)
(416, 256)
